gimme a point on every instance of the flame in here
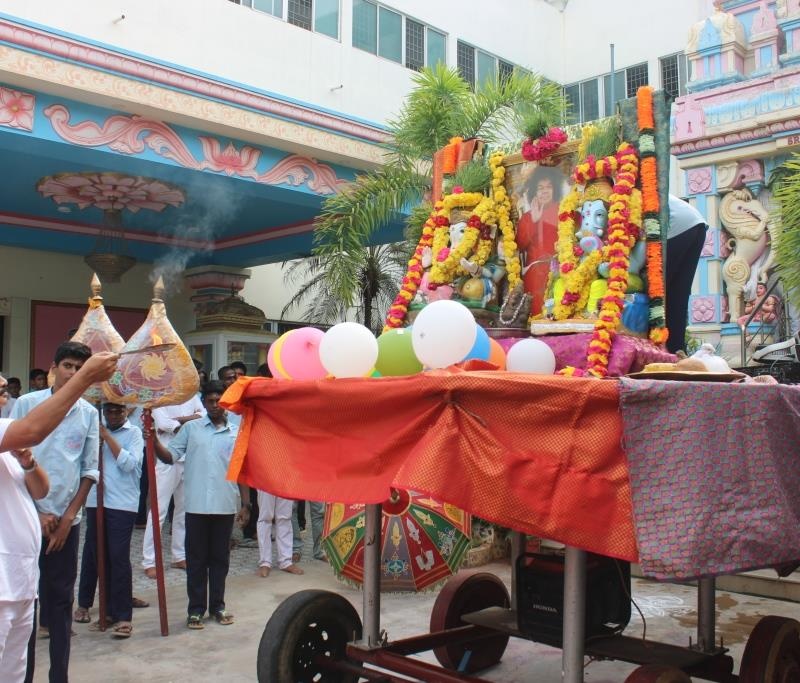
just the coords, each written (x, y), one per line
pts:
(157, 340)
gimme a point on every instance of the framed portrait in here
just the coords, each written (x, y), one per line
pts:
(535, 190)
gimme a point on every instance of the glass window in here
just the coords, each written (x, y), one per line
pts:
(390, 35)
(673, 75)
(436, 48)
(636, 77)
(274, 7)
(466, 62)
(415, 45)
(326, 17)
(590, 101)
(505, 70)
(365, 26)
(572, 93)
(487, 69)
(299, 13)
(619, 90)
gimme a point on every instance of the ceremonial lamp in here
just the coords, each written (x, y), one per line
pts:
(154, 370)
(98, 333)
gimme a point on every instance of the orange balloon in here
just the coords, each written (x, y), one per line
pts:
(496, 354)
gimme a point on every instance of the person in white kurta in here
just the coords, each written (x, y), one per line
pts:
(20, 541)
(277, 512)
(169, 484)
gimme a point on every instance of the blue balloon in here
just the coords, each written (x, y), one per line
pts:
(481, 348)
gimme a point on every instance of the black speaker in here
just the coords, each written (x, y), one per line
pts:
(540, 596)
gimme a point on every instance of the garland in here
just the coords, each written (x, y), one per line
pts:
(503, 211)
(544, 146)
(622, 235)
(397, 312)
(651, 207)
(446, 260)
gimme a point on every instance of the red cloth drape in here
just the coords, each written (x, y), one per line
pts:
(539, 454)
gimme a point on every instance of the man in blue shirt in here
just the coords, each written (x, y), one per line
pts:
(69, 455)
(205, 447)
(122, 468)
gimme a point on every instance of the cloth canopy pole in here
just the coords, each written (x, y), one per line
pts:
(147, 420)
(100, 524)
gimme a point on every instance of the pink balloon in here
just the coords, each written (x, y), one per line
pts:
(295, 355)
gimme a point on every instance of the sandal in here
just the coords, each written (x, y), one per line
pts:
(223, 617)
(81, 615)
(95, 626)
(195, 622)
(138, 603)
(122, 629)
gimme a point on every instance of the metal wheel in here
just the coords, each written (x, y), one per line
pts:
(654, 673)
(772, 653)
(465, 593)
(308, 630)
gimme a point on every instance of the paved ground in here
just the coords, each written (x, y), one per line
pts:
(229, 653)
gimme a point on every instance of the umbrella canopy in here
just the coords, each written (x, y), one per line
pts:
(424, 541)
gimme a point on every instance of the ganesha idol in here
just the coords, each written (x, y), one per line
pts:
(478, 273)
(579, 280)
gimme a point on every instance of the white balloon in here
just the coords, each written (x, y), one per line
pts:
(531, 355)
(348, 350)
(443, 333)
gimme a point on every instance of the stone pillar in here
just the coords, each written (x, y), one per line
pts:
(764, 37)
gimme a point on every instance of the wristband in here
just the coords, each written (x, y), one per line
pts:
(31, 467)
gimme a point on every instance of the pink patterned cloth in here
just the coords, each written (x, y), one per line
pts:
(715, 475)
(629, 354)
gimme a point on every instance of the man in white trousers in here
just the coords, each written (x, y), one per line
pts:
(169, 483)
(22, 480)
(276, 511)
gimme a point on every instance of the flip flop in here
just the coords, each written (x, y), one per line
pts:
(195, 622)
(95, 626)
(81, 615)
(223, 617)
(122, 629)
(139, 603)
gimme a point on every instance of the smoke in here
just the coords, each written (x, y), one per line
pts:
(210, 208)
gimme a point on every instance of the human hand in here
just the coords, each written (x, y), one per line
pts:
(427, 257)
(48, 522)
(104, 433)
(100, 366)
(58, 537)
(24, 457)
(243, 517)
(188, 418)
(537, 209)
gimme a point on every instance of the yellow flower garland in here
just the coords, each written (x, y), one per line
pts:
(503, 210)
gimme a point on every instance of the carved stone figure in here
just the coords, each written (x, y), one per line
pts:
(787, 8)
(752, 231)
(516, 308)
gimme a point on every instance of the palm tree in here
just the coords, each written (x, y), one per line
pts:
(441, 106)
(377, 270)
(785, 182)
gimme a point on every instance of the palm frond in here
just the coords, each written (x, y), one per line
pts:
(430, 115)
(787, 193)
(496, 112)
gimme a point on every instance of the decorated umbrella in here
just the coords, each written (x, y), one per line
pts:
(98, 333)
(424, 540)
(155, 369)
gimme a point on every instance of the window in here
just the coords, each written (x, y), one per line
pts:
(504, 70)
(415, 45)
(322, 14)
(572, 94)
(436, 52)
(619, 91)
(365, 26)
(300, 13)
(590, 100)
(487, 69)
(673, 75)
(389, 34)
(635, 78)
(465, 55)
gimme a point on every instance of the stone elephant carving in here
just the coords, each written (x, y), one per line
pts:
(752, 233)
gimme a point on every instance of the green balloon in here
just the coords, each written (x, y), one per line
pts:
(396, 355)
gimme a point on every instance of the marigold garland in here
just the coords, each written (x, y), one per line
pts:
(503, 211)
(651, 207)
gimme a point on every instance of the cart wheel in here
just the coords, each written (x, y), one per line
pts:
(654, 673)
(307, 626)
(465, 593)
(772, 653)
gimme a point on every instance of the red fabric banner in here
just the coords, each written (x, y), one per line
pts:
(539, 454)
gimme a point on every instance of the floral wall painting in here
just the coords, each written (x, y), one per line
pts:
(16, 109)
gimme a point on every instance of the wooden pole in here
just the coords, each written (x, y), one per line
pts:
(100, 523)
(147, 420)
